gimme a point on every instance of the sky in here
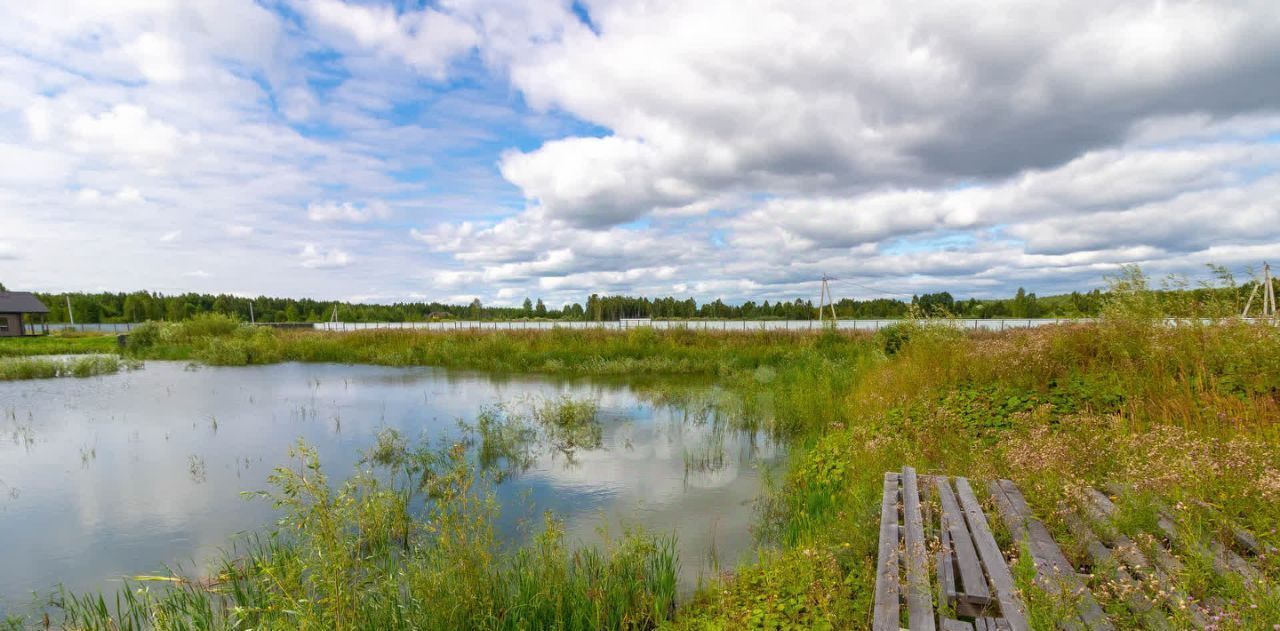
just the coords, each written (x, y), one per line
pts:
(738, 149)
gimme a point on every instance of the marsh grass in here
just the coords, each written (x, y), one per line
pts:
(62, 343)
(509, 437)
(17, 368)
(221, 341)
(353, 556)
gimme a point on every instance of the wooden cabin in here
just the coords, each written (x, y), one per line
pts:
(20, 313)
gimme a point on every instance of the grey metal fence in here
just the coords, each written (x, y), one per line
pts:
(695, 325)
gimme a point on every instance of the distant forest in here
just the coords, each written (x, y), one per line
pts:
(141, 306)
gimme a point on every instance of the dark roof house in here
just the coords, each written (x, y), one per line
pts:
(15, 307)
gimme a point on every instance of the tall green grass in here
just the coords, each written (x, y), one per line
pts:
(58, 344)
(1186, 415)
(643, 351)
(357, 555)
(16, 368)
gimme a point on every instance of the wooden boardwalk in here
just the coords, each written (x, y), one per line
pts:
(940, 567)
(974, 587)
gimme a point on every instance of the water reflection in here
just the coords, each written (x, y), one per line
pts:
(125, 474)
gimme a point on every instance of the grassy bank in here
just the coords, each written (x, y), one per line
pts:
(221, 341)
(16, 368)
(58, 344)
(1184, 417)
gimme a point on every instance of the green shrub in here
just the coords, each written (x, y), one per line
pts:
(893, 337)
(16, 368)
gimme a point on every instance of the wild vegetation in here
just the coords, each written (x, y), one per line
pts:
(61, 343)
(14, 368)
(1176, 417)
(356, 555)
(1182, 417)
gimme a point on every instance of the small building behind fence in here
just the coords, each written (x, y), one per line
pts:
(21, 313)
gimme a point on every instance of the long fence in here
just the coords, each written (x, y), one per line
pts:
(992, 324)
(693, 325)
(34, 328)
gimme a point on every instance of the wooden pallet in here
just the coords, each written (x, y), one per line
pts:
(1054, 573)
(971, 580)
(1148, 573)
(940, 568)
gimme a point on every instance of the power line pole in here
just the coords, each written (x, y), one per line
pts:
(1269, 303)
(1268, 295)
(825, 299)
(251, 313)
(70, 314)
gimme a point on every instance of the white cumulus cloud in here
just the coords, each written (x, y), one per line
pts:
(347, 211)
(315, 258)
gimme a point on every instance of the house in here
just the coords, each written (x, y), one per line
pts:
(16, 311)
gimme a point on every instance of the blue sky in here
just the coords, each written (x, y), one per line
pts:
(737, 150)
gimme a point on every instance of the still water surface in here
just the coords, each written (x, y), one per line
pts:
(126, 474)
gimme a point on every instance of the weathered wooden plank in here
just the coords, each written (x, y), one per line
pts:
(1161, 574)
(1016, 523)
(1225, 560)
(992, 559)
(945, 568)
(920, 616)
(1242, 538)
(887, 614)
(1247, 541)
(1051, 564)
(949, 624)
(972, 582)
(1129, 552)
(1101, 557)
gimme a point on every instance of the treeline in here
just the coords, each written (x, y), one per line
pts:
(141, 306)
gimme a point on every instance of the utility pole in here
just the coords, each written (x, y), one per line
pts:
(1268, 295)
(70, 314)
(825, 299)
(1269, 300)
(251, 313)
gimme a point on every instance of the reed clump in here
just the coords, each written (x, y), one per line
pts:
(357, 555)
(222, 341)
(16, 368)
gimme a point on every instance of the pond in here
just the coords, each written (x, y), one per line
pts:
(128, 474)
